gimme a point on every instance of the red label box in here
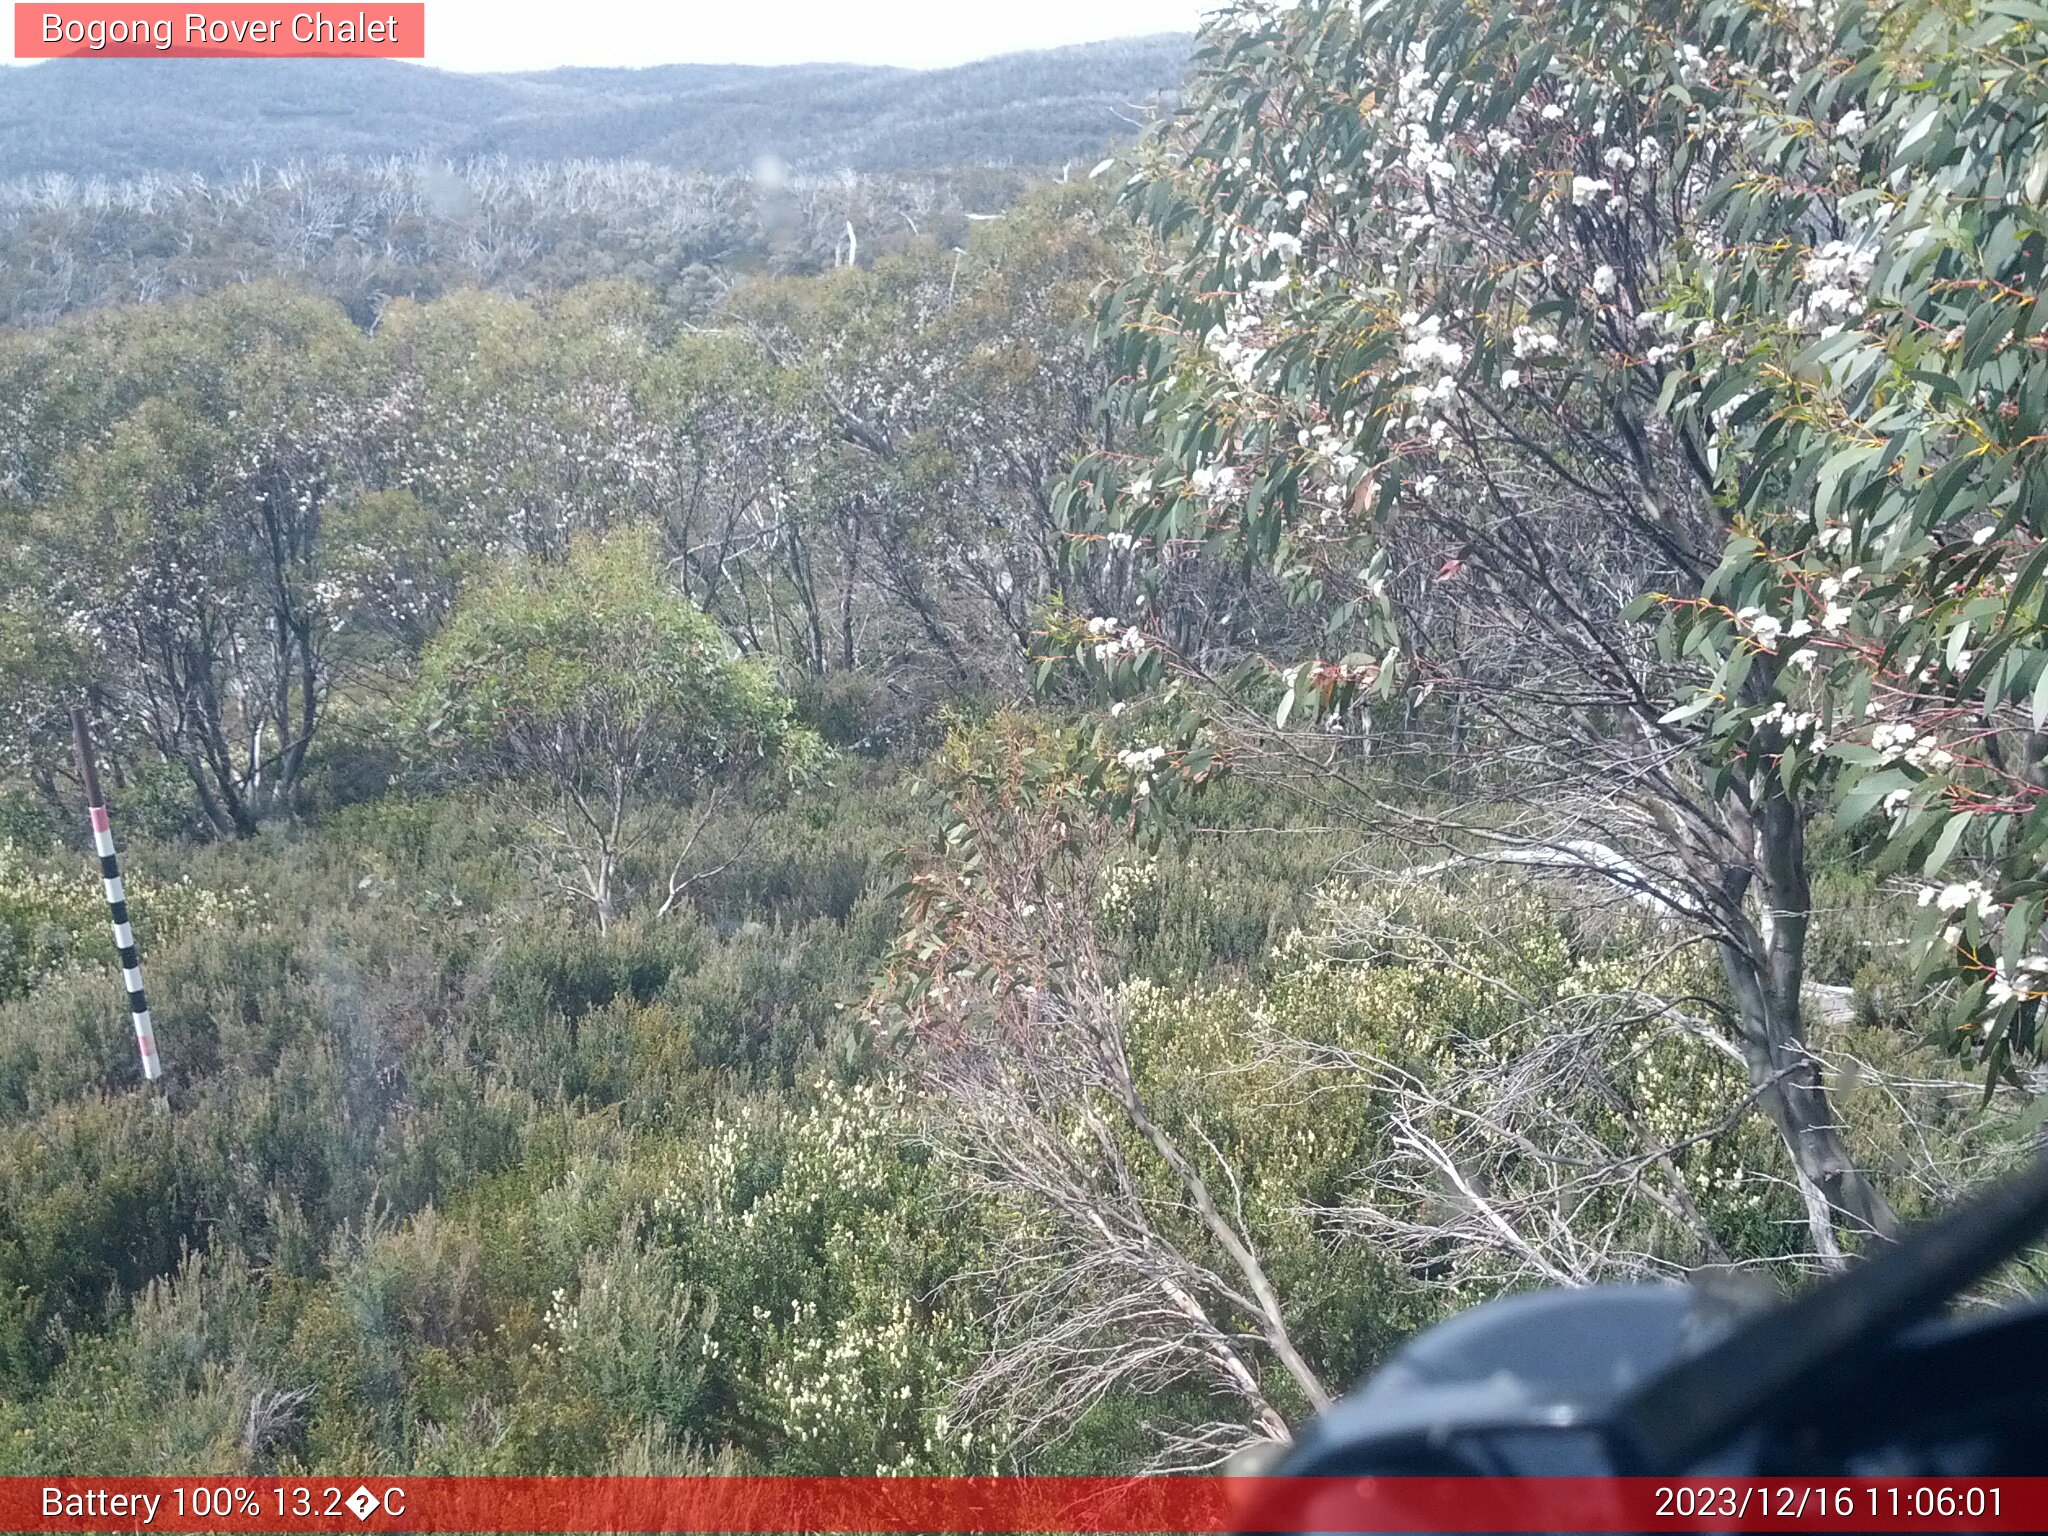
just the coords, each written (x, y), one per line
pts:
(993, 1506)
(236, 31)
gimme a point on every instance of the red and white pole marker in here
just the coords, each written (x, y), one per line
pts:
(117, 898)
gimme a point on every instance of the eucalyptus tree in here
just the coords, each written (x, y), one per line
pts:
(168, 512)
(519, 425)
(1867, 361)
(938, 393)
(1404, 344)
(588, 686)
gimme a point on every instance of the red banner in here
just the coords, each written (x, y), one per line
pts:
(235, 31)
(1002, 1506)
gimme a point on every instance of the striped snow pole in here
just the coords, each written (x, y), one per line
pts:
(117, 898)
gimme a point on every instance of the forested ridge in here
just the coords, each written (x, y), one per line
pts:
(777, 829)
(125, 181)
(129, 117)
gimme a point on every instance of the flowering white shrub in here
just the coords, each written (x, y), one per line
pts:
(1126, 890)
(53, 915)
(821, 1230)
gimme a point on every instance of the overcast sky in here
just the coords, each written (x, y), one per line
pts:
(529, 34)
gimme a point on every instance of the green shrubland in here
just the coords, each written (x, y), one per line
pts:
(444, 1179)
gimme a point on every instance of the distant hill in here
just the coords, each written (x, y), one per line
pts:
(127, 117)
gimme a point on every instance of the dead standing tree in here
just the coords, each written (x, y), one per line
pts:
(1138, 1269)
